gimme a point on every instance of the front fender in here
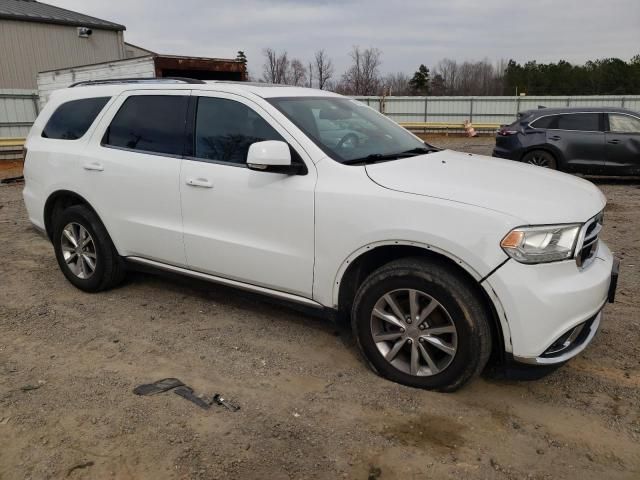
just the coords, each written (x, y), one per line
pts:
(491, 295)
(371, 246)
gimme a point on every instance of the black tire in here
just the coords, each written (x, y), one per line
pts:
(454, 293)
(109, 267)
(541, 158)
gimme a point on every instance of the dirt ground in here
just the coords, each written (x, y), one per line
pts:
(310, 408)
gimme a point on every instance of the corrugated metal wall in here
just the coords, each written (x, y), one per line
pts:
(485, 109)
(139, 67)
(18, 110)
(27, 48)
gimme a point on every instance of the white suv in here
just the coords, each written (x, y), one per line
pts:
(440, 258)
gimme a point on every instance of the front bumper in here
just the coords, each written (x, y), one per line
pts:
(553, 310)
(568, 345)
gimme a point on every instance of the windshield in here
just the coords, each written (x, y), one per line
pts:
(349, 131)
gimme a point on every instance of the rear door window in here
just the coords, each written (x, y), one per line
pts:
(150, 123)
(71, 120)
(585, 122)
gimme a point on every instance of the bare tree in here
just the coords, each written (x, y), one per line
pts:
(297, 74)
(437, 85)
(499, 78)
(466, 81)
(276, 66)
(397, 84)
(470, 78)
(323, 67)
(363, 77)
(474, 78)
(448, 70)
(270, 67)
(333, 86)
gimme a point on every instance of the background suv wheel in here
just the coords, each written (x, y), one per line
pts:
(84, 250)
(540, 158)
(420, 323)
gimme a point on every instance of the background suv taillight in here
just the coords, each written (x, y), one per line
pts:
(505, 132)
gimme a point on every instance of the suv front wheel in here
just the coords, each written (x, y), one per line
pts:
(418, 322)
(84, 251)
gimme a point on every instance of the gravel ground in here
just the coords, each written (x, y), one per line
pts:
(309, 406)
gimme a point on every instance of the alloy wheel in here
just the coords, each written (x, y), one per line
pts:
(78, 250)
(414, 332)
(539, 161)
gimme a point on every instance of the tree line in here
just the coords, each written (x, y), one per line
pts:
(607, 76)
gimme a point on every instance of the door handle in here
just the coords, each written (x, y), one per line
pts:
(615, 141)
(93, 166)
(555, 137)
(199, 182)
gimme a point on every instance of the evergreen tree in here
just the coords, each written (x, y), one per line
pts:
(420, 83)
(635, 74)
(606, 76)
(242, 57)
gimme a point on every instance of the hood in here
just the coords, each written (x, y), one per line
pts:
(533, 194)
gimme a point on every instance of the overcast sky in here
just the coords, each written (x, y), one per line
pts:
(407, 32)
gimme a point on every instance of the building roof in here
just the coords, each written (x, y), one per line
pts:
(32, 11)
(136, 47)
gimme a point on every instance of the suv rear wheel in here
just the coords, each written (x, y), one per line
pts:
(419, 323)
(540, 158)
(84, 250)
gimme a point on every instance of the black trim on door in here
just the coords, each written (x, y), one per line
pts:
(190, 127)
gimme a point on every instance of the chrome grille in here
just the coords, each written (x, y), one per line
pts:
(588, 241)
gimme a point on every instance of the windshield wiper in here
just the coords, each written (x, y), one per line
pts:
(378, 157)
(420, 150)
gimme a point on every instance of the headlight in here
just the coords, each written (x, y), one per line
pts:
(542, 244)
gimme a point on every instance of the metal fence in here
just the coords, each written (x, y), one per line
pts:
(19, 108)
(499, 110)
(18, 111)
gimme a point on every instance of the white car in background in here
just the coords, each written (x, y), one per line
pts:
(440, 258)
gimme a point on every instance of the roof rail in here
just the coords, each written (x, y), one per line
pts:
(109, 81)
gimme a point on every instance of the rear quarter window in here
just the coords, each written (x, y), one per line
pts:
(71, 120)
(544, 122)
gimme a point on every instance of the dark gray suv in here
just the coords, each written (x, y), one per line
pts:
(597, 141)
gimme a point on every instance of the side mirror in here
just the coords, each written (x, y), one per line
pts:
(270, 155)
